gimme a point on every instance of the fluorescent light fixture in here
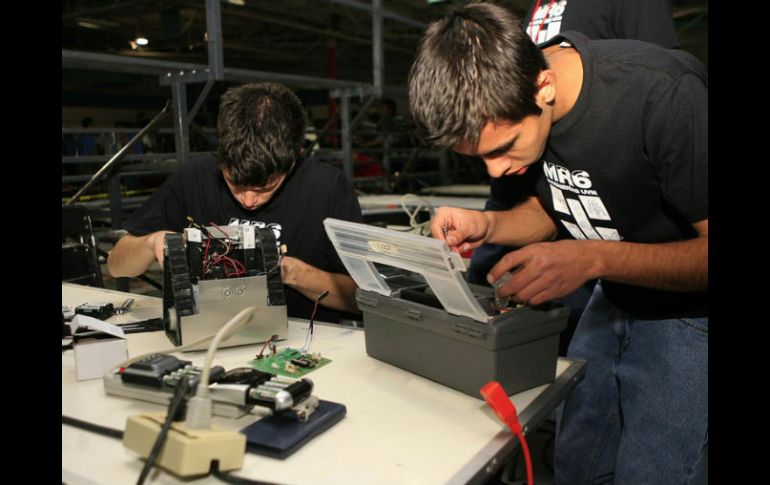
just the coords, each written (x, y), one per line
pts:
(141, 41)
(93, 23)
(89, 25)
(240, 3)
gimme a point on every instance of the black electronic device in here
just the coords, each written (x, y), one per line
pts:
(100, 311)
(151, 370)
(244, 375)
(234, 393)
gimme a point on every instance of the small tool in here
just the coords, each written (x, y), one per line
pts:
(502, 301)
(125, 307)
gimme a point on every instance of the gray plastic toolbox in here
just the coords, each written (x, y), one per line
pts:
(436, 325)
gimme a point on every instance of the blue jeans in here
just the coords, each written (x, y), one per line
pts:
(640, 415)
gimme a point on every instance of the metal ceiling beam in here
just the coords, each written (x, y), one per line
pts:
(239, 12)
(99, 10)
(378, 8)
(94, 61)
(108, 62)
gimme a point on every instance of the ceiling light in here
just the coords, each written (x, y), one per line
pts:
(141, 41)
(240, 3)
(94, 23)
(89, 25)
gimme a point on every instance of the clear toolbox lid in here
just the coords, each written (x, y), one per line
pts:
(361, 245)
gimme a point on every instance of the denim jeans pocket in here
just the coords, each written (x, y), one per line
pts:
(698, 324)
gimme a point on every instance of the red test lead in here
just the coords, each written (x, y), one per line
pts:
(497, 399)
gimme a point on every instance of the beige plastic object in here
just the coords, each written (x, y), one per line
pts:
(186, 452)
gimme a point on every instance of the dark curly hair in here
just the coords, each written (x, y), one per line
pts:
(261, 130)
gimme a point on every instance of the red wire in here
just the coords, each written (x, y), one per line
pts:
(497, 399)
(205, 255)
(312, 316)
(527, 458)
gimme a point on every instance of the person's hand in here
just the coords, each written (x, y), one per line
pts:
(462, 229)
(544, 271)
(294, 270)
(155, 241)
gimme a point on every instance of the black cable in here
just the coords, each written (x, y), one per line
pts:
(228, 478)
(180, 392)
(318, 299)
(94, 428)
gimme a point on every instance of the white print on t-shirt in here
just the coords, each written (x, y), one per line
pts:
(258, 224)
(546, 21)
(572, 193)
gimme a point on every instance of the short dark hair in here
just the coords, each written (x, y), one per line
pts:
(261, 130)
(474, 66)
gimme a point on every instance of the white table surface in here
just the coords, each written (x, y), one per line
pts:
(399, 429)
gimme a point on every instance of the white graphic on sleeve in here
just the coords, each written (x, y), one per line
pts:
(594, 207)
(608, 234)
(582, 219)
(574, 230)
(546, 21)
(572, 194)
(559, 203)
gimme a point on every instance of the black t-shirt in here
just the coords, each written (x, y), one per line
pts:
(630, 160)
(312, 192)
(647, 20)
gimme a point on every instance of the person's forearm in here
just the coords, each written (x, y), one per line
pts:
(525, 223)
(342, 290)
(311, 281)
(131, 256)
(675, 266)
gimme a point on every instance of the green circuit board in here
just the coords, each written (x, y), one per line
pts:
(276, 364)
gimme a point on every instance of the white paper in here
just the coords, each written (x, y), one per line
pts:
(95, 324)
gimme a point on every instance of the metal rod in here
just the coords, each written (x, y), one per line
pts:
(199, 101)
(378, 62)
(181, 130)
(361, 114)
(347, 140)
(214, 33)
(115, 158)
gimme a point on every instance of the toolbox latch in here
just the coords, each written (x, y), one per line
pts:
(413, 314)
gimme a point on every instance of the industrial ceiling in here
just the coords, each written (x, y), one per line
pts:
(315, 38)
